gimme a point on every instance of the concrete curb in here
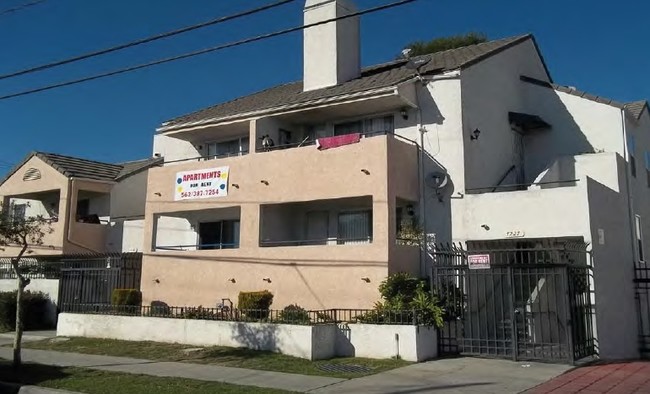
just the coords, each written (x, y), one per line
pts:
(13, 388)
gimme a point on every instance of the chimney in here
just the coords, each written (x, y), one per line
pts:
(331, 50)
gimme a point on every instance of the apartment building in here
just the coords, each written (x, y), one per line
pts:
(303, 188)
(90, 207)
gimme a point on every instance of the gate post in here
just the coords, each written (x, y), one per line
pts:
(514, 337)
(569, 312)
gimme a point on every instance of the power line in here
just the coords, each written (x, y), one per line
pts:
(21, 7)
(204, 51)
(144, 40)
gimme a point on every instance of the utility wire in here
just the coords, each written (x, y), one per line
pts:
(143, 40)
(21, 7)
(206, 50)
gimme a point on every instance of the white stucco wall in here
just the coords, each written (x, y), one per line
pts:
(128, 197)
(490, 89)
(411, 343)
(173, 148)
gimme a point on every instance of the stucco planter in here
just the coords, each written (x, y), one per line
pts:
(411, 343)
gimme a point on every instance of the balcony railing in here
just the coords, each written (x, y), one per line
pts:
(317, 242)
(216, 246)
(209, 157)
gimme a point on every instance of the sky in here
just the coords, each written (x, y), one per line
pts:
(598, 46)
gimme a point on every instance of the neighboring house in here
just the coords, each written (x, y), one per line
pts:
(507, 156)
(91, 207)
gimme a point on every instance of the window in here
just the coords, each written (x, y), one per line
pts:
(647, 167)
(355, 227)
(83, 208)
(234, 147)
(219, 235)
(631, 147)
(368, 126)
(639, 237)
(18, 212)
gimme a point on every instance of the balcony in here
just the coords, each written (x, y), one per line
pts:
(298, 174)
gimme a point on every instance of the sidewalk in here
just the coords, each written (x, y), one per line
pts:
(213, 373)
(622, 377)
(461, 375)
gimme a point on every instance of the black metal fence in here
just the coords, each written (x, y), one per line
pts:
(520, 300)
(288, 316)
(642, 287)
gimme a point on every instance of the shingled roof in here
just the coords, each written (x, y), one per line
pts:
(74, 167)
(372, 78)
(636, 107)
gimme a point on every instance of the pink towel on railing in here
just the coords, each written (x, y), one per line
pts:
(339, 140)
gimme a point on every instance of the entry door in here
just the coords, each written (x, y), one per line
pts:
(317, 227)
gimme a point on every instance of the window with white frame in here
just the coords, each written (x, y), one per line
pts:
(355, 227)
(233, 147)
(631, 147)
(639, 238)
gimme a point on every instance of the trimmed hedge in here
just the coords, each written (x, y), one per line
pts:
(131, 297)
(256, 303)
(294, 314)
(35, 313)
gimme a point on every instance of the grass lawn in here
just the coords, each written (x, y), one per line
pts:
(101, 382)
(226, 356)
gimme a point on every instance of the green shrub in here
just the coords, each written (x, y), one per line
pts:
(255, 304)
(294, 314)
(131, 297)
(199, 313)
(35, 313)
(406, 299)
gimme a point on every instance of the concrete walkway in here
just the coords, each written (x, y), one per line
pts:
(462, 375)
(458, 375)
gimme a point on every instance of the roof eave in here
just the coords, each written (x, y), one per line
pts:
(351, 97)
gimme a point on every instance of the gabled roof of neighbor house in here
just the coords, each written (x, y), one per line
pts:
(75, 167)
(636, 108)
(371, 78)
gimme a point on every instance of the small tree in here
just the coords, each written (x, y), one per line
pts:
(21, 233)
(445, 43)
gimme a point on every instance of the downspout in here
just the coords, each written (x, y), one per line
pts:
(421, 185)
(69, 219)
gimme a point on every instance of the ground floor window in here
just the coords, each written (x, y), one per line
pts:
(355, 227)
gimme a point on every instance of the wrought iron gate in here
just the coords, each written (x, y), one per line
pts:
(91, 279)
(525, 301)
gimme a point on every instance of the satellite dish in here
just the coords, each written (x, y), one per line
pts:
(415, 64)
(436, 180)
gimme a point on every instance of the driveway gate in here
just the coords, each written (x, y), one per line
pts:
(525, 300)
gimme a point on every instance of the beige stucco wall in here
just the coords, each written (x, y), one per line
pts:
(313, 276)
(50, 180)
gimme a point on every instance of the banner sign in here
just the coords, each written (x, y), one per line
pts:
(208, 183)
(478, 261)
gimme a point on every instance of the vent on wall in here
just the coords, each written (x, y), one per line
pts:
(32, 174)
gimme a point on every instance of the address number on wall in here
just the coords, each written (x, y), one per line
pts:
(515, 234)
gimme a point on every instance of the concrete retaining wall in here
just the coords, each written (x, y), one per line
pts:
(318, 342)
(48, 286)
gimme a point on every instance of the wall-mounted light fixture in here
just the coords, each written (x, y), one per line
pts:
(156, 280)
(366, 279)
(485, 227)
(235, 185)
(158, 194)
(232, 280)
(409, 210)
(264, 182)
(267, 280)
(365, 171)
(475, 134)
(405, 114)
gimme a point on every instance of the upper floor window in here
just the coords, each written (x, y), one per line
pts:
(639, 237)
(233, 147)
(631, 147)
(647, 167)
(18, 212)
(382, 124)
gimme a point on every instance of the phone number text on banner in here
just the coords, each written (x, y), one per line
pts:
(208, 183)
